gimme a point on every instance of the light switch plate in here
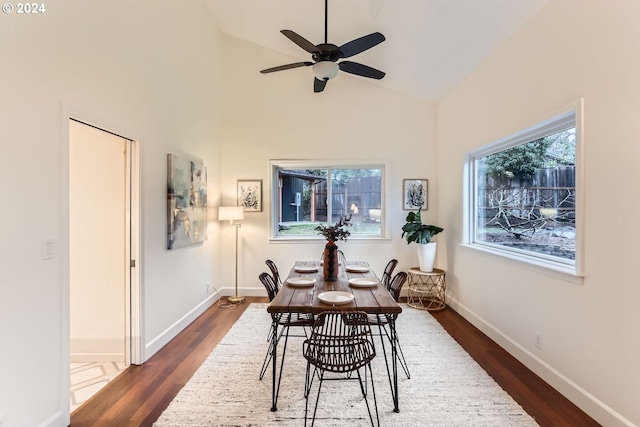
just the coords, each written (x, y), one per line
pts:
(47, 249)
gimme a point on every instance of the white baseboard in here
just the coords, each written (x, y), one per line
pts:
(170, 333)
(87, 350)
(167, 335)
(96, 357)
(255, 291)
(57, 419)
(595, 408)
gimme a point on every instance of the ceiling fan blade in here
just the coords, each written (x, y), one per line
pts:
(301, 41)
(318, 85)
(360, 70)
(356, 46)
(287, 67)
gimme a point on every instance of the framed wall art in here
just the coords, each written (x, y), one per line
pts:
(186, 202)
(415, 194)
(250, 195)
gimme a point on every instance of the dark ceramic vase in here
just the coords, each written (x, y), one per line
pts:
(330, 261)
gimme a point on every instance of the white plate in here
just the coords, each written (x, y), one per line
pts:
(335, 297)
(357, 268)
(301, 281)
(363, 283)
(305, 269)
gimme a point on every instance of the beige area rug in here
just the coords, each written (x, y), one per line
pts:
(447, 387)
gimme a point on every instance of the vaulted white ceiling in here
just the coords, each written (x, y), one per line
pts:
(431, 45)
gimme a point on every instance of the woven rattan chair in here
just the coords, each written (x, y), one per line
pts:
(340, 343)
(284, 322)
(388, 273)
(382, 322)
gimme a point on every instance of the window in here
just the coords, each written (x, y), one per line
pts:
(523, 195)
(307, 194)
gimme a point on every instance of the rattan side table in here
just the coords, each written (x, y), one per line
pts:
(426, 290)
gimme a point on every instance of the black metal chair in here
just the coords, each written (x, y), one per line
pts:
(340, 343)
(278, 282)
(284, 322)
(274, 272)
(388, 273)
(382, 322)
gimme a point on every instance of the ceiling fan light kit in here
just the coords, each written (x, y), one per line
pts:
(325, 70)
(325, 56)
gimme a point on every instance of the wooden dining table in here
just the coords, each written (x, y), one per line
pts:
(304, 299)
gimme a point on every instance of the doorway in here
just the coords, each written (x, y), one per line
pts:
(102, 242)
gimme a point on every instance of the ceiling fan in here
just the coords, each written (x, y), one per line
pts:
(326, 55)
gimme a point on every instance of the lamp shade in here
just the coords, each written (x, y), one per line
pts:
(325, 70)
(230, 213)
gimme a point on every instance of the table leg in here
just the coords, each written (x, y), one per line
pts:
(383, 334)
(394, 362)
(274, 341)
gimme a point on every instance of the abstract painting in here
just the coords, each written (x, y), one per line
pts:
(415, 194)
(186, 202)
(250, 195)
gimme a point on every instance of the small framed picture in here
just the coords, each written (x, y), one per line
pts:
(250, 195)
(415, 194)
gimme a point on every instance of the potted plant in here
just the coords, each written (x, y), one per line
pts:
(333, 233)
(415, 231)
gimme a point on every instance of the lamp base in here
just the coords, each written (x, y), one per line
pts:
(236, 299)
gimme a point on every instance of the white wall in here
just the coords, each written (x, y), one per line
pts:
(572, 49)
(277, 116)
(146, 69)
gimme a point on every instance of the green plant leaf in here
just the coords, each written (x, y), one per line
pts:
(415, 231)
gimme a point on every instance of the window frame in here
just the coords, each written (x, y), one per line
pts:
(276, 165)
(556, 121)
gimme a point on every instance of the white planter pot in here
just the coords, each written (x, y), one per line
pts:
(426, 256)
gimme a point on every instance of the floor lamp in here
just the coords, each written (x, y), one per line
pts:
(233, 214)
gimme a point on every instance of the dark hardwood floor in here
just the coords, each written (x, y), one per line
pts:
(139, 395)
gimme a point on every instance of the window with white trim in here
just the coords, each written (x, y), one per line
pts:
(307, 194)
(523, 195)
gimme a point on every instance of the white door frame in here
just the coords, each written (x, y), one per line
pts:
(134, 352)
(134, 332)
